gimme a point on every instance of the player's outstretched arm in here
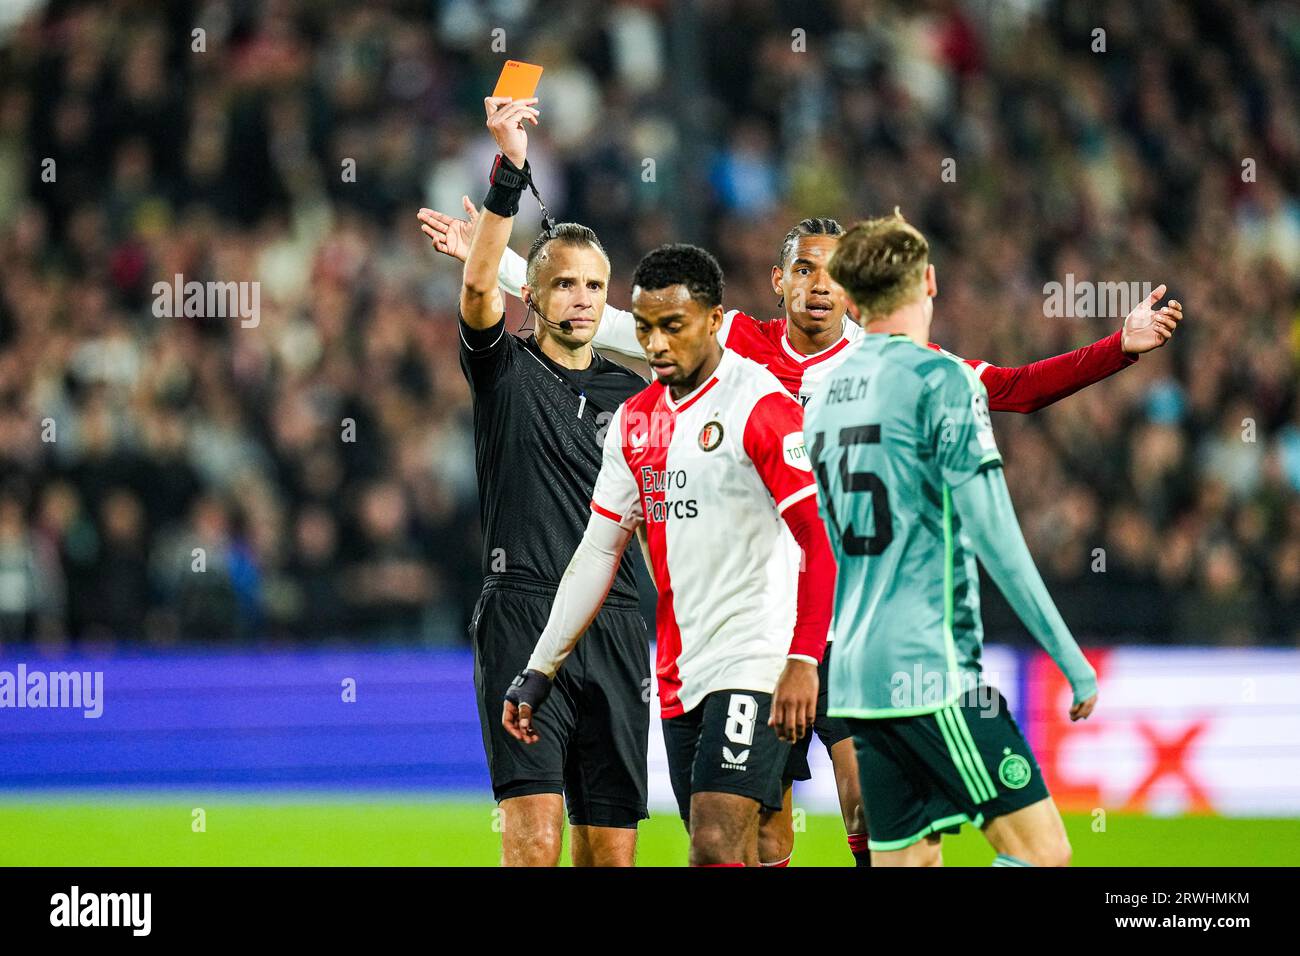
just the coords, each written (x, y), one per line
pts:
(989, 518)
(451, 237)
(582, 591)
(480, 300)
(1027, 388)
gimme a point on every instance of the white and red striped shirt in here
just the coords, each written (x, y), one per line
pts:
(766, 343)
(710, 476)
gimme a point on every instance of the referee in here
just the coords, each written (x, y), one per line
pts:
(540, 408)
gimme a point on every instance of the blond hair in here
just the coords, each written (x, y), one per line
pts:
(880, 263)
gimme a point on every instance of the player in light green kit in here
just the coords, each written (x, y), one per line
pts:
(910, 486)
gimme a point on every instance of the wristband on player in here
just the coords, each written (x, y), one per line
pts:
(529, 687)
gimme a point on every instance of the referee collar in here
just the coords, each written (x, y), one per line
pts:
(535, 347)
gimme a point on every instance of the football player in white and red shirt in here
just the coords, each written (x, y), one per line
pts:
(709, 462)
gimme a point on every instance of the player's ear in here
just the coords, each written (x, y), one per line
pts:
(715, 319)
(853, 311)
(777, 275)
(931, 285)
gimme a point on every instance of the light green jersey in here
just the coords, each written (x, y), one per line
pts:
(894, 429)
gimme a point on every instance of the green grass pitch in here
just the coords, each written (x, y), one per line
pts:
(158, 830)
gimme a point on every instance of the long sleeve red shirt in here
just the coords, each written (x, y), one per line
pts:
(1027, 388)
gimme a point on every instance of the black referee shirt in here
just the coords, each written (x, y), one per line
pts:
(536, 457)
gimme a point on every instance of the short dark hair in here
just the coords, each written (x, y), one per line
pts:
(807, 227)
(680, 264)
(568, 233)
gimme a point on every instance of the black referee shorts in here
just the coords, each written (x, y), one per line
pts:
(831, 730)
(594, 726)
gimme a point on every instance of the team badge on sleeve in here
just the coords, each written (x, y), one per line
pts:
(796, 455)
(711, 436)
(983, 422)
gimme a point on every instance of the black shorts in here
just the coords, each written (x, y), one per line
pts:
(831, 730)
(929, 774)
(724, 745)
(595, 725)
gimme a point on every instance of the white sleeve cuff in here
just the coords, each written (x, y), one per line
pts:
(805, 492)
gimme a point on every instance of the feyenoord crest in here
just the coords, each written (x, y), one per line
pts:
(711, 436)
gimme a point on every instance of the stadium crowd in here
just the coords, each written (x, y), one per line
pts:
(309, 475)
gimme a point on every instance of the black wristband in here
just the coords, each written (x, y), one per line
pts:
(529, 687)
(506, 173)
(507, 185)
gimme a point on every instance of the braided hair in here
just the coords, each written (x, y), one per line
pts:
(807, 227)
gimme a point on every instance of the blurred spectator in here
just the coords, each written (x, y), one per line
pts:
(30, 596)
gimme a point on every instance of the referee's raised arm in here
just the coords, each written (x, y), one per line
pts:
(481, 305)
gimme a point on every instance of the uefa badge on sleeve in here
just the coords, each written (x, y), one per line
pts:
(711, 436)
